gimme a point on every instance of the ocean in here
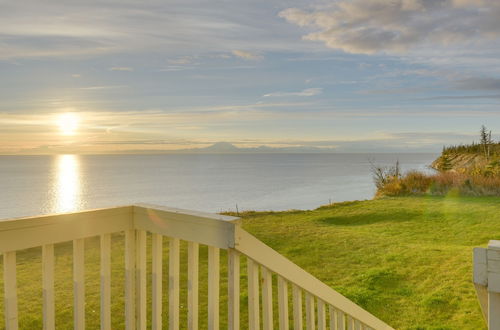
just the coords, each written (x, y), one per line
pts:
(35, 185)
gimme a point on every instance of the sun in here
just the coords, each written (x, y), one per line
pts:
(68, 123)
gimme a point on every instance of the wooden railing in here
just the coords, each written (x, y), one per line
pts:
(487, 282)
(266, 270)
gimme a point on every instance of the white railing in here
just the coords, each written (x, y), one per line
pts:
(487, 282)
(324, 307)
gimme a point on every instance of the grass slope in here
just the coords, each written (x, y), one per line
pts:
(406, 260)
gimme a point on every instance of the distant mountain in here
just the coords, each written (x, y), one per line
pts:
(226, 147)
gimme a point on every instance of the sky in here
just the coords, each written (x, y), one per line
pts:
(348, 75)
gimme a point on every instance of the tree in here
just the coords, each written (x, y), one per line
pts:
(486, 141)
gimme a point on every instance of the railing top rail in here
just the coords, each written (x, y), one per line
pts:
(24, 233)
(198, 214)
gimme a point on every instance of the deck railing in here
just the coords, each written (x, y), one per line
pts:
(266, 270)
(487, 282)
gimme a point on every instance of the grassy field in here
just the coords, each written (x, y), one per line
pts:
(406, 260)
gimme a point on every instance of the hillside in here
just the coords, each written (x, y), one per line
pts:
(460, 161)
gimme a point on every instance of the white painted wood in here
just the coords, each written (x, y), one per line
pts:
(31, 232)
(341, 320)
(140, 278)
(283, 303)
(10, 290)
(130, 279)
(480, 278)
(272, 260)
(253, 295)
(297, 307)
(310, 319)
(193, 270)
(156, 277)
(173, 283)
(213, 287)
(267, 299)
(79, 284)
(321, 315)
(105, 248)
(332, 321)
(233, 290)
(350, 323)
(493, 310)
(203, 228)
(48, 287)
(357, 325)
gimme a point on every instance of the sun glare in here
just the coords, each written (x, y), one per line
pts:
(68, 123)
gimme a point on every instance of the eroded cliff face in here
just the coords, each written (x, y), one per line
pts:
(460, 162)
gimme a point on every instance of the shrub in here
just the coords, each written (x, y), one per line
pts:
(440, 184)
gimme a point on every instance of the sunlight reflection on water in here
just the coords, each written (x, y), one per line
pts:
(67, 184)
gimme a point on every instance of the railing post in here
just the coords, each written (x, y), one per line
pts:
(487, 282)
(233, 290)
(130, 279)
(193, 285)
(10, 287)
(493, 262)
(79, 283)
(48, 287)
(140, 279)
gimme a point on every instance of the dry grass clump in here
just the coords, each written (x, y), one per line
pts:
(439, 184)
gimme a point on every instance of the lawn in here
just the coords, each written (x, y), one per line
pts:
(406, 260)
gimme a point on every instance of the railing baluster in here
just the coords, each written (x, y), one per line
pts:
(105, 281)
(253, 295)
(193, 266)
(140, 279)
(79, 283)
(310, 324)
(48, 287)
(283, 303)
(173, 283)
(213, 287)
(267, 299)
(130, 279)
(10, 290)
(297, 307)
(157, 262)
(350, 322)
(321, 315)
(332, 313)
(357, 325)
(233, 290)
(340, 320)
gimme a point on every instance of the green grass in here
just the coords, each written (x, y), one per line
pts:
(406, 260)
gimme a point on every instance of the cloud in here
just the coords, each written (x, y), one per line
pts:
(305, 92)
(121, 68)
(247, 55)
(398, 26)
(478, 83)
(95, 28)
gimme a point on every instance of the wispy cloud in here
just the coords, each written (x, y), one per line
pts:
(121, 68)
(90, 88)
(305, 92)
(247, 55)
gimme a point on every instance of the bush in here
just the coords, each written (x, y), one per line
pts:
(439, 184)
